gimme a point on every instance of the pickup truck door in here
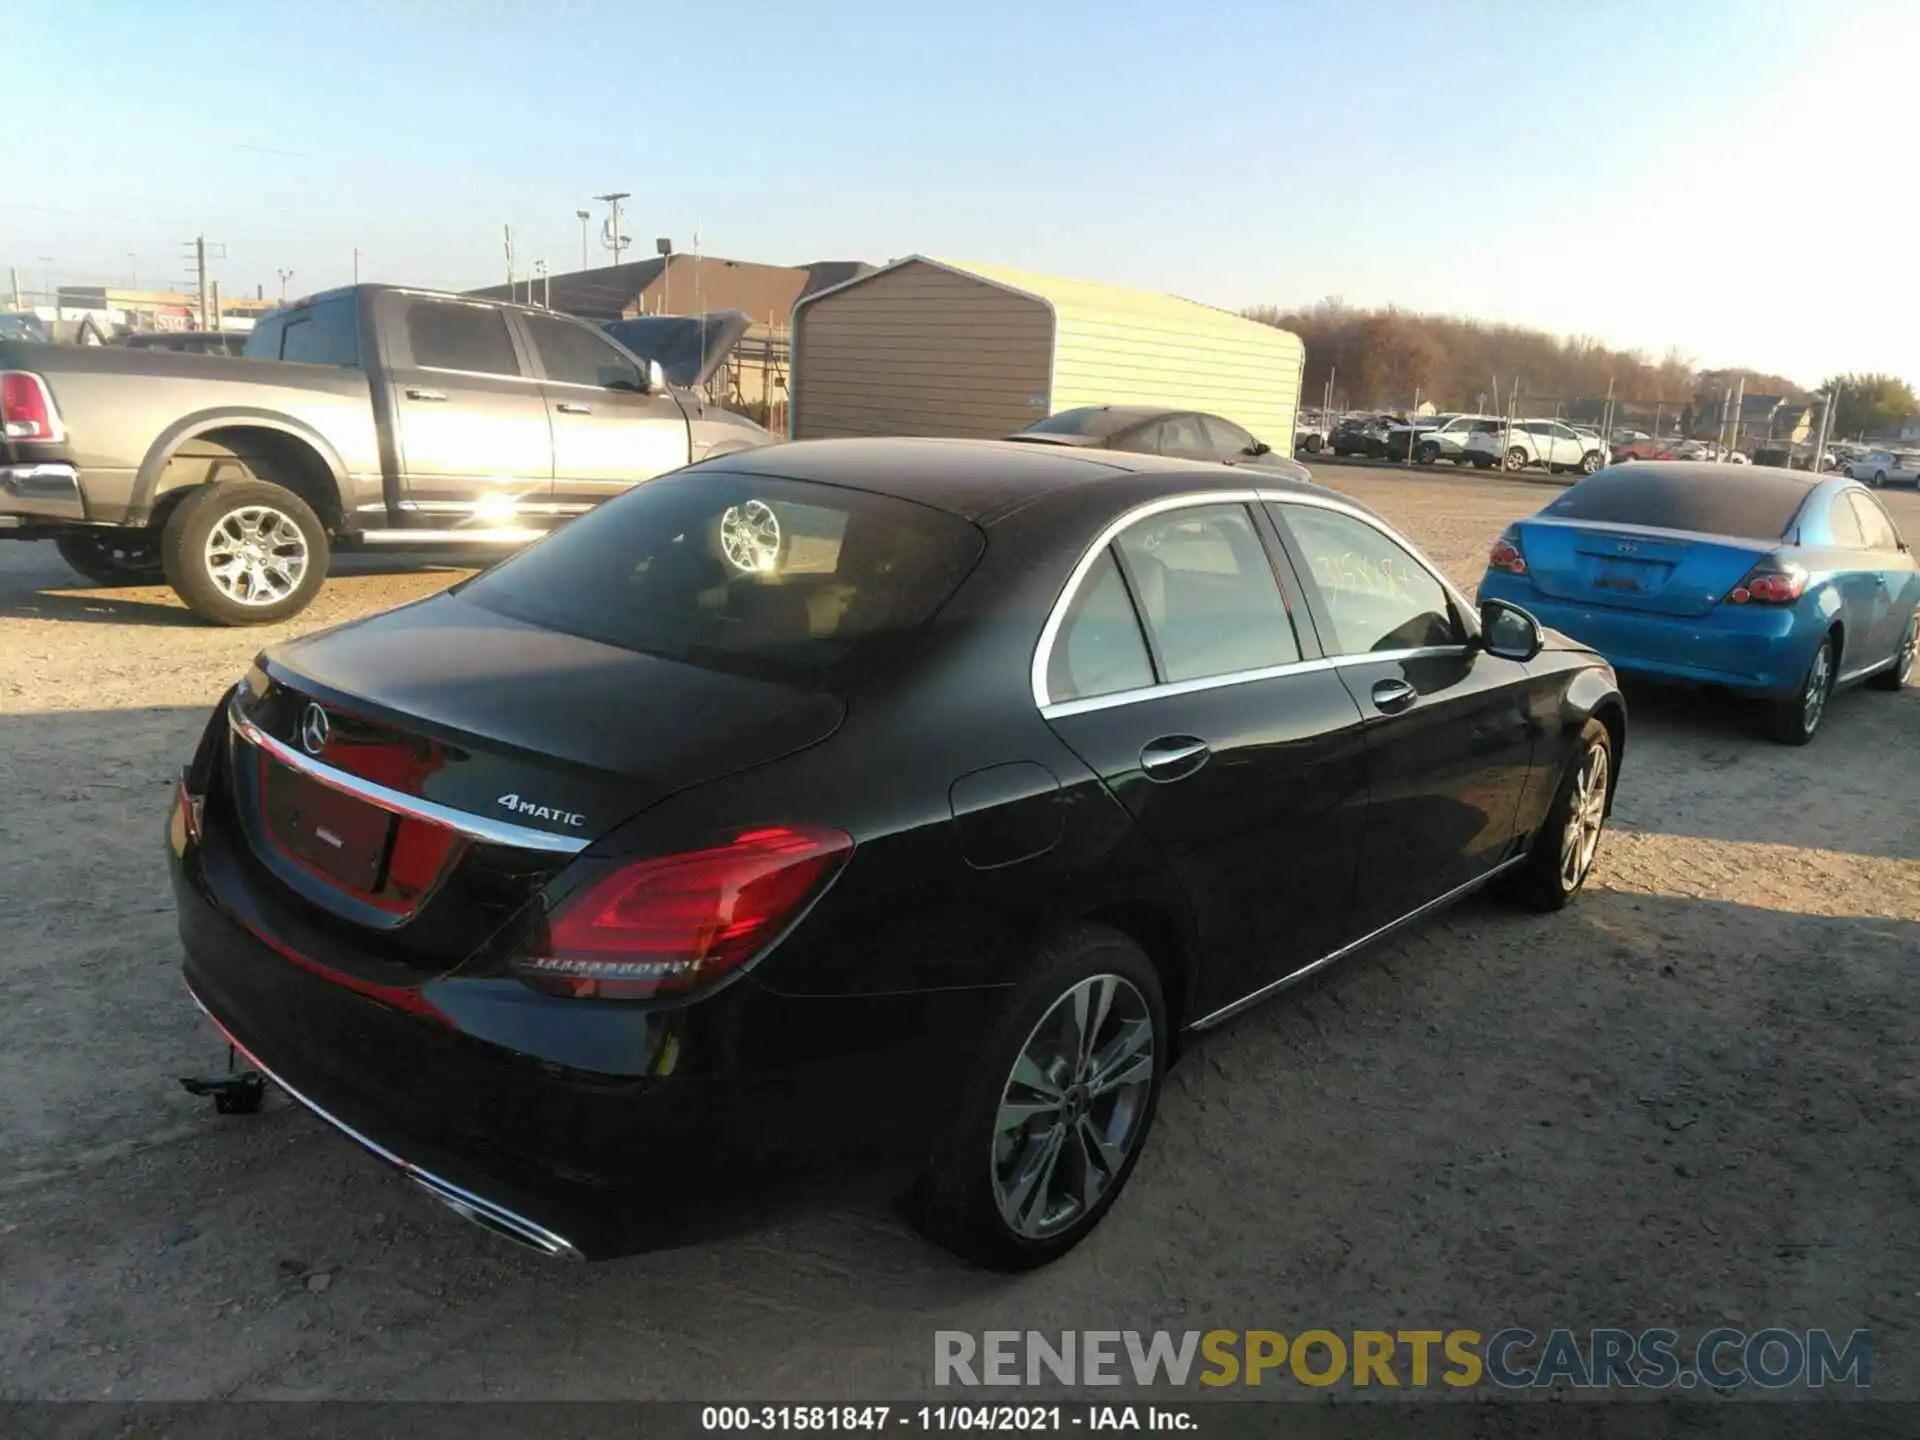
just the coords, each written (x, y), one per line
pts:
(470, 422)
(609, 433)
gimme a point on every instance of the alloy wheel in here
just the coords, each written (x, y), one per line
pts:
(1813, 703)
(1909, 652)
(1581, 840)
(256, 555)
(1073, 1107)
(1516, 459)
(750, 536)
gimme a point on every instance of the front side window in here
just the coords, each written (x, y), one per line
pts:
(447, 336)
(1875, 527)
(1230, 442)
(1377, 595)
(574, 355)
(1099, 650)
(1207, 593)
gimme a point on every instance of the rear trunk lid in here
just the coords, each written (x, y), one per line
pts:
(418, 776)
(1636, 567)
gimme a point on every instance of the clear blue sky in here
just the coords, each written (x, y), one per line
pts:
(1649, 172)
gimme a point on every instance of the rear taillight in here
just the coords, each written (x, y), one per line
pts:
(1774, 583)
(672, 924)
(1506, 554)
(26, 409)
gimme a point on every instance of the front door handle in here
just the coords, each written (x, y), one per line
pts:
(1390, 696)
(426, 394)
(567, 407)
(1173, 757)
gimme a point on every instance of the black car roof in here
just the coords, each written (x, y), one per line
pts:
(981, 480)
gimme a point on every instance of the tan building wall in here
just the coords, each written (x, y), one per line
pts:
(917, 349)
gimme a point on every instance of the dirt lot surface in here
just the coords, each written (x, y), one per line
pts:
(1691, 1100)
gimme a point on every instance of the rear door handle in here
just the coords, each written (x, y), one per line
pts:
(1173, 757)
(426, 394)
(567, 407)
(1392, 695)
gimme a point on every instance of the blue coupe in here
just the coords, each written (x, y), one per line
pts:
(1770, 583)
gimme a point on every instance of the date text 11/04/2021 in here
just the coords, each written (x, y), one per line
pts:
(940, 1418)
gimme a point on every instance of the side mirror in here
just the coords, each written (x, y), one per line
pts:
(656, 378)
(1259, 447)
(1508, 631)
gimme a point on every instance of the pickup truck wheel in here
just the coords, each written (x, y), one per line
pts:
(750, 538)
(113, 557)
(246, 553)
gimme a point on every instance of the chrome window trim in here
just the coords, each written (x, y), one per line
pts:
(1056, 617)
(474, 827)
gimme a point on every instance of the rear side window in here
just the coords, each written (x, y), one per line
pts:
(323, 334)
(1757, 504)
(574, 355)
(1875, 527)
(1099, 650)
(780, 579)
(1181, 436)
(1207, 593)
(446, 336)
(1844, 521)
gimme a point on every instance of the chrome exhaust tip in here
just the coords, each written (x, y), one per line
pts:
(496, 1219)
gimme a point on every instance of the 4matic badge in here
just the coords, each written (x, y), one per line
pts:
(518, 806)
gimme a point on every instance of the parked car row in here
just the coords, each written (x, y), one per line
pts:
(1886, 467)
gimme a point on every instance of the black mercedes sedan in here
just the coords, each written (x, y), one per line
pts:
(1156, 430)
(853, 813)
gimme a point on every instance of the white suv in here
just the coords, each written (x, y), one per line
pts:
(1552, 443)
(1448, 440)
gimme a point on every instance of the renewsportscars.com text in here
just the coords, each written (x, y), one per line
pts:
(1513, 1358)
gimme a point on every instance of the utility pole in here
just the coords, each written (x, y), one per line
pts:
(285, 275)
(614, 239)
(583, 216)
(1739, 408)
(133, 271)
(200, 274)
(1828, 404)
(507, 231)
(356, 264)
(14, 276)
(216, 304)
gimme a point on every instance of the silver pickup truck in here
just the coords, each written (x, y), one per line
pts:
(389, 418)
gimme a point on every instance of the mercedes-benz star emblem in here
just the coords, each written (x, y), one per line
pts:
(313, 730)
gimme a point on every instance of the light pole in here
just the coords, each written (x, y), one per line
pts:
(614, 238)
(46, 279)
(285, 275)
(583, 216)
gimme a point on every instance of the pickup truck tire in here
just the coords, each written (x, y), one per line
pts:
(245, 553)
(114, 557)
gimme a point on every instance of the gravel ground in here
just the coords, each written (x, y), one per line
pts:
(1690, 1100)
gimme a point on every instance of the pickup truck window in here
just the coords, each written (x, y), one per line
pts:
(324, 334)
(574, 355)
(446, 336)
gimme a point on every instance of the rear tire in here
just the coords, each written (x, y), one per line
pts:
(1514, 459)
(1879, 479)
(245, 553)
(114, 557)
(1590, 462)
(1030, 1114)
(1313, 444)
(1794, 720)
(1900, 674)
(1563, 853)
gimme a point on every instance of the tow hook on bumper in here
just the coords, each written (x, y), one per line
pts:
(238, 1092)
(40, 492)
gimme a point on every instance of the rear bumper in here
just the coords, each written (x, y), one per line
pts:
(41, 492)
(579, 1128)
(1755, 650)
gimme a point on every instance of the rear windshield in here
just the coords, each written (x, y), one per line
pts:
(1752, 503)
(1096, 421)
(781, 579)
